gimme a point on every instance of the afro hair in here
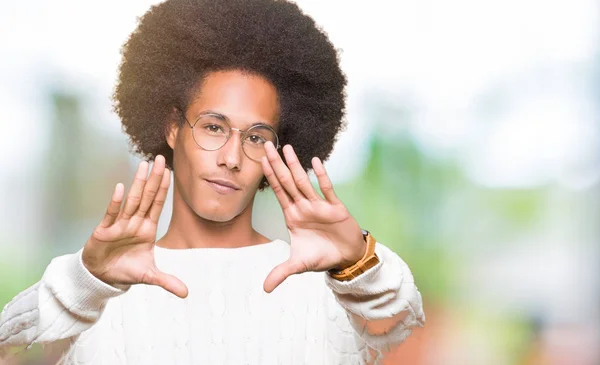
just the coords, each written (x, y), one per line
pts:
(178, 42)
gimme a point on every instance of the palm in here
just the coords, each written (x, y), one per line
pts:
(323, 234)
(121, 248)
(131, 244)
(312, 227)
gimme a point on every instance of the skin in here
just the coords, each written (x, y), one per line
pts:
(323, 234)
(201, 216)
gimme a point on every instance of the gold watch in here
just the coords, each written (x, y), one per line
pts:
(369, 260)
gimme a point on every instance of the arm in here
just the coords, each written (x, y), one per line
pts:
(383, 304)
(65, 302)
(74, 289)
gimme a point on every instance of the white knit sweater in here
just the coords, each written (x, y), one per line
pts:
(227, 318)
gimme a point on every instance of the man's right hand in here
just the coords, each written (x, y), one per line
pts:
(121, 249)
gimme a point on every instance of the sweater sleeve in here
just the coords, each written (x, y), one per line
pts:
(65, 302)
(383, 304)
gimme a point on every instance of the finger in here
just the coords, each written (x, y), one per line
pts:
(282, 172)
(284, 199)
(152, 186)
(135, 192)
(114, 206)
(300, 176)
(280, 273)
(324, 182)
(168, 282)
(161, 196)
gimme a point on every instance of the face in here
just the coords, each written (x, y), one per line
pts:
(202, 177)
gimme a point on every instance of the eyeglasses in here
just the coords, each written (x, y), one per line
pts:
(211, 131)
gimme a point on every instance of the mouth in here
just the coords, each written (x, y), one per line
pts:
(223, 186)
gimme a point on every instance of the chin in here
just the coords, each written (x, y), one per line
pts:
(217, 216)
(217, 211)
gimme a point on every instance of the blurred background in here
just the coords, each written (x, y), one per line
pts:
(472, 150)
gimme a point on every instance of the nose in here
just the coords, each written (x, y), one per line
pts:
(231, 154)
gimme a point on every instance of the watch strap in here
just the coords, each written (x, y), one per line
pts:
(369, 260)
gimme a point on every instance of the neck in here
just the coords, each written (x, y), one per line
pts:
(188, 230)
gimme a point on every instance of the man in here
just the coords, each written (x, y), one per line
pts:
(212, 90)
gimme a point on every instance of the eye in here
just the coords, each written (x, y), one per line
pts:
(256, 139)
(213, 128)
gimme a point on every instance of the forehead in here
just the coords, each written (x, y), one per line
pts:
(243, 98)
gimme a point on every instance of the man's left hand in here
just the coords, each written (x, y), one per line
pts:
(323, 234)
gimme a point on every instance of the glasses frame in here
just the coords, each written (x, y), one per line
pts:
(243, 133)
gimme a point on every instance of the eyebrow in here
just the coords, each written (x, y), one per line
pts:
(212, 112)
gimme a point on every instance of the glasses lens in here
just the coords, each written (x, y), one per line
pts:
(210, 132)
(254, 142)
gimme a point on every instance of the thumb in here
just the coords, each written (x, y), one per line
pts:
(168, 282)
(281, 272)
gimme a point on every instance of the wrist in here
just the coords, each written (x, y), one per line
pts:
(353, 261)
(368, 260)
(88, 260)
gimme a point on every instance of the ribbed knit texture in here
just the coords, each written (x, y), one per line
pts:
(227, 318)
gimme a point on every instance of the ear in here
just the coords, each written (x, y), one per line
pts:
(172, 129)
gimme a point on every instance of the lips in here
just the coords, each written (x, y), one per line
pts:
(222, 185)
